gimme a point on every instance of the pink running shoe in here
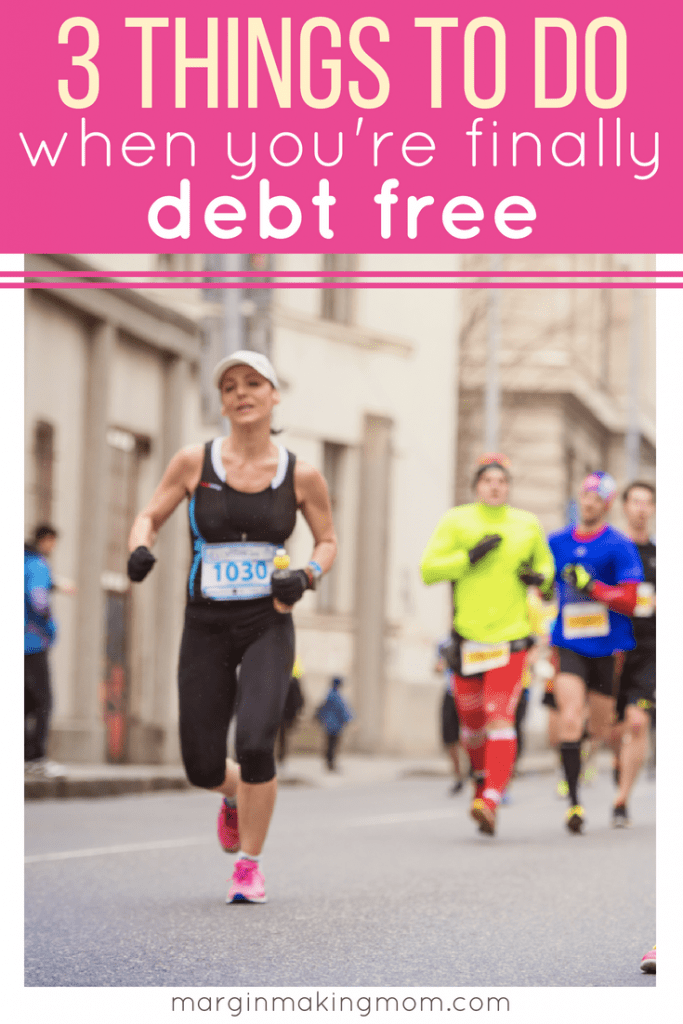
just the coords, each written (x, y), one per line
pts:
(228, 833)
(649, 962)
(247, 883)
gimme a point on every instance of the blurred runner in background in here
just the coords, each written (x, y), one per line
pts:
(294, 705)
(450, 723)
(598, 572)
(492, 553)
(636, 699)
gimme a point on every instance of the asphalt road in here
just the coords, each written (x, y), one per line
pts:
(387, 884)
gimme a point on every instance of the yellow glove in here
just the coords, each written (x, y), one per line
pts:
(576, 576)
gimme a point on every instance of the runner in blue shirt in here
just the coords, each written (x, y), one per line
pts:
(598, 570)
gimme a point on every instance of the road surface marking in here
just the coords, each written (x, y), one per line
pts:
(166, 844)
(399, 819)
(103, 851)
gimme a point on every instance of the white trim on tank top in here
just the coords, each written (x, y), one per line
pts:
(219, 468)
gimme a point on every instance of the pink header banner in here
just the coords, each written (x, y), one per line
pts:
(429, 127)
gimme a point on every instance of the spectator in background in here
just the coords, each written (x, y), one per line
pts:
(333, 714)
(40, 630)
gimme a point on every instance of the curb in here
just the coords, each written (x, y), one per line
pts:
(98, 781)
(66, 788)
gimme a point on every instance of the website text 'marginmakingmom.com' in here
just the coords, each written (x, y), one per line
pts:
(317, 1003)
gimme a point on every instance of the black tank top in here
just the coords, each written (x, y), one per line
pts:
(645, 628)
(219, 514)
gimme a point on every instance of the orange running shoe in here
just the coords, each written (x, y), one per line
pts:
(484, 816)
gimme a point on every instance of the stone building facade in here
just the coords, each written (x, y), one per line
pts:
(567, 375)
(111, 391)
(383, 391)
(116, 381)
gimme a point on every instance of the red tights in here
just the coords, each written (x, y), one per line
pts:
(482, 700)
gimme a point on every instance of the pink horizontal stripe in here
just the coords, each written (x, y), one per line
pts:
(342, 274)
(247, 285)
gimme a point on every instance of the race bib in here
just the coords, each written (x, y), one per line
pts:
(237, 572)
(475, 657)
(645, 601)
(583, 620)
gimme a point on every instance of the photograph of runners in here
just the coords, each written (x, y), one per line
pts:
(340, 612)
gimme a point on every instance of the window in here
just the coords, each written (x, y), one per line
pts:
(333, 466)
(337, 303)
(175, 261)
(44, 455)
(240, 317)
(604, 368)
(125, 451)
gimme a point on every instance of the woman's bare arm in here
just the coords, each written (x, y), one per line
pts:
(180, 479)
(314, 501)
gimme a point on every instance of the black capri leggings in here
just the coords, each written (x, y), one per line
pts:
(216, 640)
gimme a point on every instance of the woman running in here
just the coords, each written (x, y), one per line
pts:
(243, 494)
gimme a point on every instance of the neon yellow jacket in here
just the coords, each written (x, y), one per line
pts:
(490, 600)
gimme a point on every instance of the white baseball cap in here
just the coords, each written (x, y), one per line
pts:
(245, 357)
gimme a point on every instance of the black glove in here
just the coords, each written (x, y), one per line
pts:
(288, 585)
(530, 578)
(139, 564)
(486, 544)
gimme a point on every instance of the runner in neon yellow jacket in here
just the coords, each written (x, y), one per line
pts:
(490, 597)
(492, 553)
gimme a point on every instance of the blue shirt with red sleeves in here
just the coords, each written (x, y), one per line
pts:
(610, 557)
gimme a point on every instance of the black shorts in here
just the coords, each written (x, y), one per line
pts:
(638, 680)
(548, 699)
(450, 723)
(599, 674)
(216, 640)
